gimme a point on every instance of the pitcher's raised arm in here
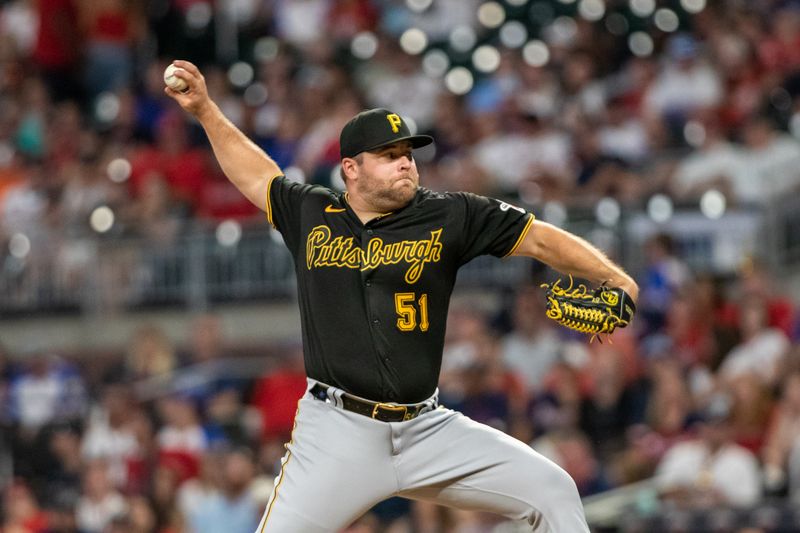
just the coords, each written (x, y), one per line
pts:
(246, 165)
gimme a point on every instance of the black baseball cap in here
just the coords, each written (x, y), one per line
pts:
(374, 128)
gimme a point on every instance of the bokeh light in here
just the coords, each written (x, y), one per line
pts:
(240, 74)
(666, 20)
(659, 208)
(486, 58)
(462, 39)
(229, 233)
(536, 53)
(102, 219)
(640, 43)
(591, 10)
(413, 41)
(713, 204)
(256, 95)
(607, 211)
(513, 34)
(459, 80)
(418, 6)
(266, 49)
(118, 170)
(107, 107)
(642, 8)
(562, 31)
(693, 6)
(491, 14)
(198, 15)
(694, 133)
(435, 63)
(364, 45)
(19, 245)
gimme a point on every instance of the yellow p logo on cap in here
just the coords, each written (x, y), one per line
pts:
(395, 121)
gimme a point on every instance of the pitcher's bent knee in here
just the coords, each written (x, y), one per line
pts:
(555, 504)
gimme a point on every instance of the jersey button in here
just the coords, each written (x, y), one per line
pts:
(370, 232)
(375, 321)
(368, 283)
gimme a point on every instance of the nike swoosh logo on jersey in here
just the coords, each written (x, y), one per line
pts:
(331, 209)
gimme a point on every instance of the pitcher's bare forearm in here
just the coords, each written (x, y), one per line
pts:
(246, 165)
(569, 254)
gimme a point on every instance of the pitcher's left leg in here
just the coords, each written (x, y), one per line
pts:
(452, 460)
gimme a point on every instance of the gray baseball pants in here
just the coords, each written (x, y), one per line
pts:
(339, 464)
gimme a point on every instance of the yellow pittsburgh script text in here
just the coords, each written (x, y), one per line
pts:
(322, 251)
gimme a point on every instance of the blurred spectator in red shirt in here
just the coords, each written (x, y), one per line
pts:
(752, 406)
(756, 283)
(185, 168)
(111, 433)
(58, 46)
(276, 396)
(21, 510)
(112, 29)
(780, 50)
(351, 17)
(181, 439)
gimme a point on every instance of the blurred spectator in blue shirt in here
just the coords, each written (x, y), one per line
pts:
(664, 275)
(234, 508)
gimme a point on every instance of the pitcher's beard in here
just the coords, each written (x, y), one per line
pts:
(390, 199)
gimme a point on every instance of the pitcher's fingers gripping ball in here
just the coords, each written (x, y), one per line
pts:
(600, 311)
(174, 82)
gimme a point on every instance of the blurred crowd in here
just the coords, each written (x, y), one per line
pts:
(615, 107)
(701, 395)
(704, 394)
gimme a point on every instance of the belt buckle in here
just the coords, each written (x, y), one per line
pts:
(391, 408)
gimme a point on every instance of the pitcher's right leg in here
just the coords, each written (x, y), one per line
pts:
(337, 465)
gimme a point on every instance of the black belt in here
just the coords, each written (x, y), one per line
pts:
(385, 412)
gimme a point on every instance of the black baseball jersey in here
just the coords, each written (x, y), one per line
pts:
(374, 297)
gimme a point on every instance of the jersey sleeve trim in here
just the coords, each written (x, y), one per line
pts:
(268, 210)
(522, 235)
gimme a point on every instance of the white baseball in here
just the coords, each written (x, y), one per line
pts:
(174, 82)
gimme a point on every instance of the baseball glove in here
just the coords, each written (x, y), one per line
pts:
(601, 311)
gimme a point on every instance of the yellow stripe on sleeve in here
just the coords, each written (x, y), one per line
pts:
(269, 204)
(522, 235)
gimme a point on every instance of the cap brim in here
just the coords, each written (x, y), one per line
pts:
(417, 141)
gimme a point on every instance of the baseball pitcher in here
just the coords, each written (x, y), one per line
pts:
(375, 269)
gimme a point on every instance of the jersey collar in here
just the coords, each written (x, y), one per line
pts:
(344, 199)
